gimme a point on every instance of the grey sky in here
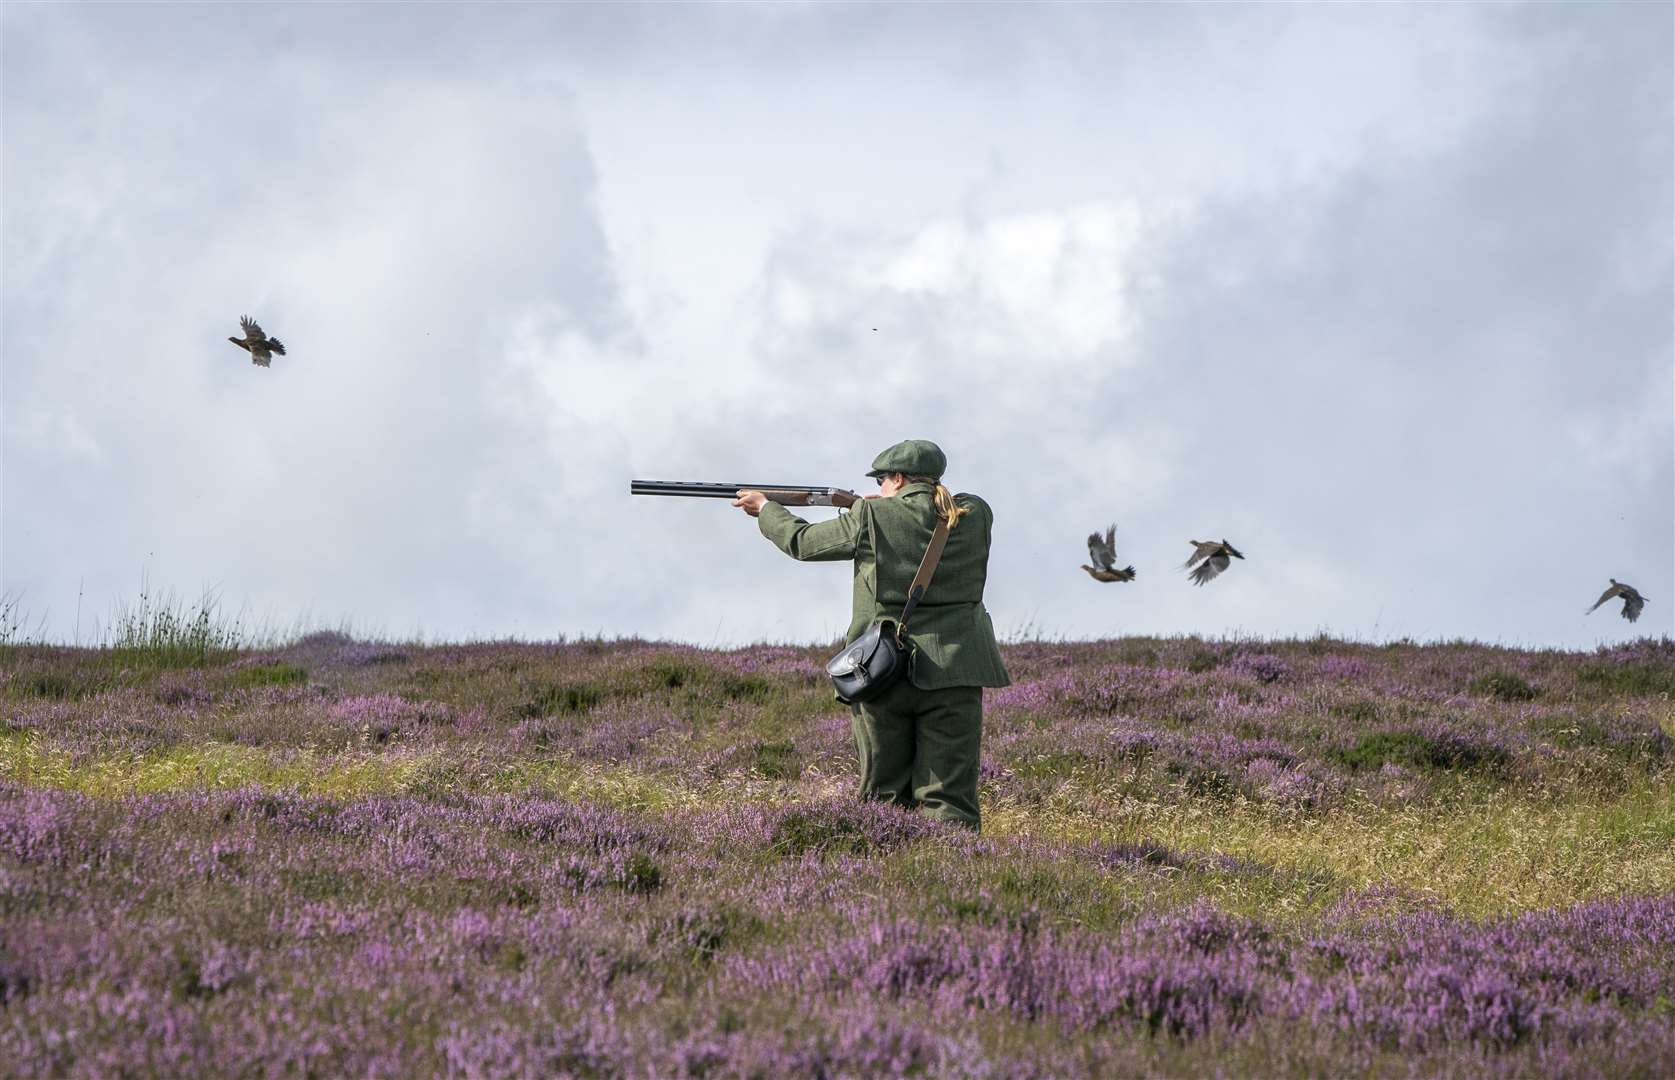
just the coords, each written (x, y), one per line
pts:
(1381, 294)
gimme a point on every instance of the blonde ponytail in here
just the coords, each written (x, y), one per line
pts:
(946, 507)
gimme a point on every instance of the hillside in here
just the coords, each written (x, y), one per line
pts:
(628, 858)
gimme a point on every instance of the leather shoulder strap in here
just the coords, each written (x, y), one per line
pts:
(927, 567)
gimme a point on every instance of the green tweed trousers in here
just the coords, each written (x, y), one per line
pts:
(919, 749)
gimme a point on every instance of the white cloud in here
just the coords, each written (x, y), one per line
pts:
(1367, 290)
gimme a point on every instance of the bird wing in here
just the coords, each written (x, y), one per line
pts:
(252, 332)
(1615, 590)
(1212, 566)
(1100, 550)
(1199, 551)
(1633, 604)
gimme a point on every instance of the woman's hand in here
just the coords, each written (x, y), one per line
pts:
(751, 502)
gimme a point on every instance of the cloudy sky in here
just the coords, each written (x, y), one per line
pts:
(1381, 294)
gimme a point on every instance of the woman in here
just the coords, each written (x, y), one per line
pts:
(919, 741)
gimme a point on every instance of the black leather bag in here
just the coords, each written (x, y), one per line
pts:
(878, 659)
(870, 664)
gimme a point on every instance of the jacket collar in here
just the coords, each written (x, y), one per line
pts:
(909, 489)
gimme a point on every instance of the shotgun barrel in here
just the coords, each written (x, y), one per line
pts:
(784, 494)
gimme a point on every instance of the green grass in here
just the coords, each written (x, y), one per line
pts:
(1636, 679)
(162, 633)
(269, 675)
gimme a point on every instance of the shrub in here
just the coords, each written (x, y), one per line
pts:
(799, 832)
(746, 688)
(671, 674)
(845, 829)
(776, 760)
(555, 700)
(703, 932)
(1200, 662)
(1263, 667)
(641, 874)
(1503, 686)
(1420, 750)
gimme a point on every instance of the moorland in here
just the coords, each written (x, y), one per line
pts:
(334, 857)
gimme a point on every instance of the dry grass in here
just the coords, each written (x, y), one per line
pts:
(1495, 854)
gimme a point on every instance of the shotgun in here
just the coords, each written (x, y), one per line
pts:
(784, 494)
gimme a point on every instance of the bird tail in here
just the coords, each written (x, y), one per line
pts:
(1127, 573)
(274, 345)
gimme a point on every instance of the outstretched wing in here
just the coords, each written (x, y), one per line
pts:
(1198, 552)
(1615, 590)
(1210, 567)
(1102, 551)
(252, 332)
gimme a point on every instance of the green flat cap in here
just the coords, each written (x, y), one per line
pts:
(914, 457)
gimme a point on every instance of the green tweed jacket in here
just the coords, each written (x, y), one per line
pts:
(952, 636)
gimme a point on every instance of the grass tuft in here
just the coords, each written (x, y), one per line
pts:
(160, 633)
(1504, 687)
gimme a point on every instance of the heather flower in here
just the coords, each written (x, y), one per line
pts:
(644, 862)
(1263, 667)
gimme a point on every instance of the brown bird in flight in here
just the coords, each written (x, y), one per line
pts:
(260, 347)
(1210, 556)
(1633, 602)
(1103, 551)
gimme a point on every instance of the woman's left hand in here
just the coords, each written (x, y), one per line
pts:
(751, 502)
